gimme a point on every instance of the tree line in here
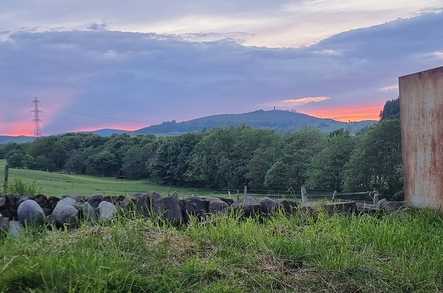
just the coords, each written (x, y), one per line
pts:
(230, 158)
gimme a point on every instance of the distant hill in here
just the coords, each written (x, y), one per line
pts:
(109, 132)
(15, 139)
(282, 121)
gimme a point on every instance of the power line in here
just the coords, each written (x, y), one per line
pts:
(36, 119)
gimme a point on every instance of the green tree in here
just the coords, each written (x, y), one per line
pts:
(16, 158)
(328, 166)
(276, 177)
(172, 159)
(391, 110)
(103, 163)
(297, 154)
(262, 160)
(222, 156)
(376, 162)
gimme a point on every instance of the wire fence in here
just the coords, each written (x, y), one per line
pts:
(311, 195)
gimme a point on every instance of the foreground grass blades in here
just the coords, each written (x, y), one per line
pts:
(401, 252)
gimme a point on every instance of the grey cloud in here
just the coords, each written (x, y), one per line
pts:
(99, 78)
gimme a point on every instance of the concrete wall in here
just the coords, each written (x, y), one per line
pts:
(421, 107)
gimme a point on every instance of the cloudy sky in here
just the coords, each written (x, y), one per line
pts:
(128, 64)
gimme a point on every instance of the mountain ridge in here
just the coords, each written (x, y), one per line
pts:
(278, 120)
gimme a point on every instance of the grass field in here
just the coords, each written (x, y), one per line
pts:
(65, 184)
(401, 252)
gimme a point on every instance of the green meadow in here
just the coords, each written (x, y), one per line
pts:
(51, 183)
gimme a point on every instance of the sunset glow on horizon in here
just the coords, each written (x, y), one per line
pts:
(344, 114)
(351, 113)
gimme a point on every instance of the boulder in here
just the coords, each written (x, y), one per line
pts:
(144, 202)
(126, 202)
(169, 208)
(29, 212)
(269, 206)
(250, 207)
(4, 224)
(217, 206)
(106, 211)
(196, 206)
(288, 206)
(66, 212)
(88, 213)
(228, 201)
(15, 228)
(95, 200)
(46, 203)
(2, 201)
(8, 206)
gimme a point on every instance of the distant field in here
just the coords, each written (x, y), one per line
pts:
(64, 184)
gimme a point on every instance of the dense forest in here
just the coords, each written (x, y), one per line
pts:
(229, 158)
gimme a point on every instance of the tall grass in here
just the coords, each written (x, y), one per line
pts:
(19, 187)
(401, 252)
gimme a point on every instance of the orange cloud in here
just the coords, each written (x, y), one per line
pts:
(348, 113)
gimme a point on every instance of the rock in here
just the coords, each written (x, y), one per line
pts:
(15, 228)
(2, 201)
(66, 212)
(8, 206)
(4, 224)
(126, 202)
(29, 212)
(289, 206)
(228, 201)
(269, 206)
(106, 211)
(217, 206)
(88, 212)
(169, 208)
(196, 206)
(95, 200)
(46, 203)
(250, 207)
(144, 202)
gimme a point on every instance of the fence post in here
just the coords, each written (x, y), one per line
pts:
(5, 182)
(334, 195)
(304, 194)
(245, 193)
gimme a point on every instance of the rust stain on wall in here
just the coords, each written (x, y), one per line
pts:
(421, 108)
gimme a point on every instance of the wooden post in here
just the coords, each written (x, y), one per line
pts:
(245, 193)
(5, 182)
(334, 195)
(304, 194)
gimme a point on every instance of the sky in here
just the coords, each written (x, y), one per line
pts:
(129, 64)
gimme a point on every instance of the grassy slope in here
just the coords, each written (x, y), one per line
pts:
(62, 184)
(401, 252)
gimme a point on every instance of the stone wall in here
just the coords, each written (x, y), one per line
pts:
(69, 210)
